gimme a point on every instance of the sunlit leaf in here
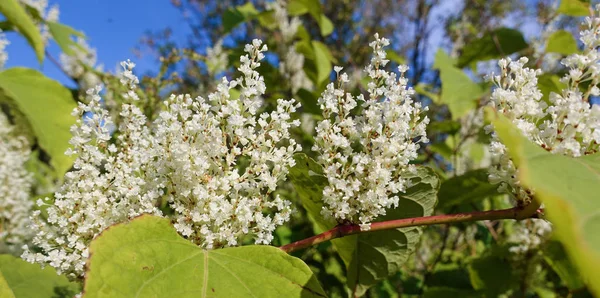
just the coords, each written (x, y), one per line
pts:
(147, 258)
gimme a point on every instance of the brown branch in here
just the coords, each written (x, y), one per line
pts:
(351, 229)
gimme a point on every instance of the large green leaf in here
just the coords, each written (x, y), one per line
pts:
(568, 187)
(47, 105)
(373, 256)
(147, 258)
(62, 35)
(495, 44)
(17, 16)
(575, 8)
(562, 42)
(459, 92)
(22, 279)
(467, 188)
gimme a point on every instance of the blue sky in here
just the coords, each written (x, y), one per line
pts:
(113, 27)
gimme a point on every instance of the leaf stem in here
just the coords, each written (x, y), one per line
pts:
(351, 229)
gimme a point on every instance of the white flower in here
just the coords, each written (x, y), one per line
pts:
(79, 65)
(47, 14)
(570, 125)
(365, 157)
(206, 159)
(3, 53)
(216, 58)
(15, 188)
(528, 235)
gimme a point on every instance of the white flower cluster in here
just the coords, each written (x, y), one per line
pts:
(216, 162)
(568, 125)
(79, 65)
(15, 188)
(3, 53)
(528, 235)
(216, 58)
(366, 156)
(291, 65)
(48, 14)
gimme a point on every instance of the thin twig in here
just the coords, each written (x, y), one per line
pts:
(351, 229)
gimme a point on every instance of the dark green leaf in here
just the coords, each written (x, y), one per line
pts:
(495, 44)
(556, 256)
(237, 15)
(467, 188)
(492, 275)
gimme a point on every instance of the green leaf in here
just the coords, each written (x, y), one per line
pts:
(446, 292)
(562, 42)
(424, 89)
(47, 105)
(459, 92)
(393, 56)
(237, 15)
(267, 19)
(495, 44)
(309, 182)
(446, 126)
(548, 83)
(300, 7)
(5, 290)
(467, 188)
(568, 187)
(22, 279)
(62, 35)
(309, 101)
(492, 274)
(575, 8)
(147, 258)
(323, 59)
(374, 256)
(556, 257)
(325, 25)
(16, 15)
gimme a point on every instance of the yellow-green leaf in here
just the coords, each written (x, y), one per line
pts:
(322, 60)
(574, 8)
(16, 15)
(459, 92)
(24, 280)
(62, 35)
(325, 25)
(562, 42)
(147, 258)
(568, 187)
(47, 105)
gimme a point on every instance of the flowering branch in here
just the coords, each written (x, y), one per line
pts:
(346, 230)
